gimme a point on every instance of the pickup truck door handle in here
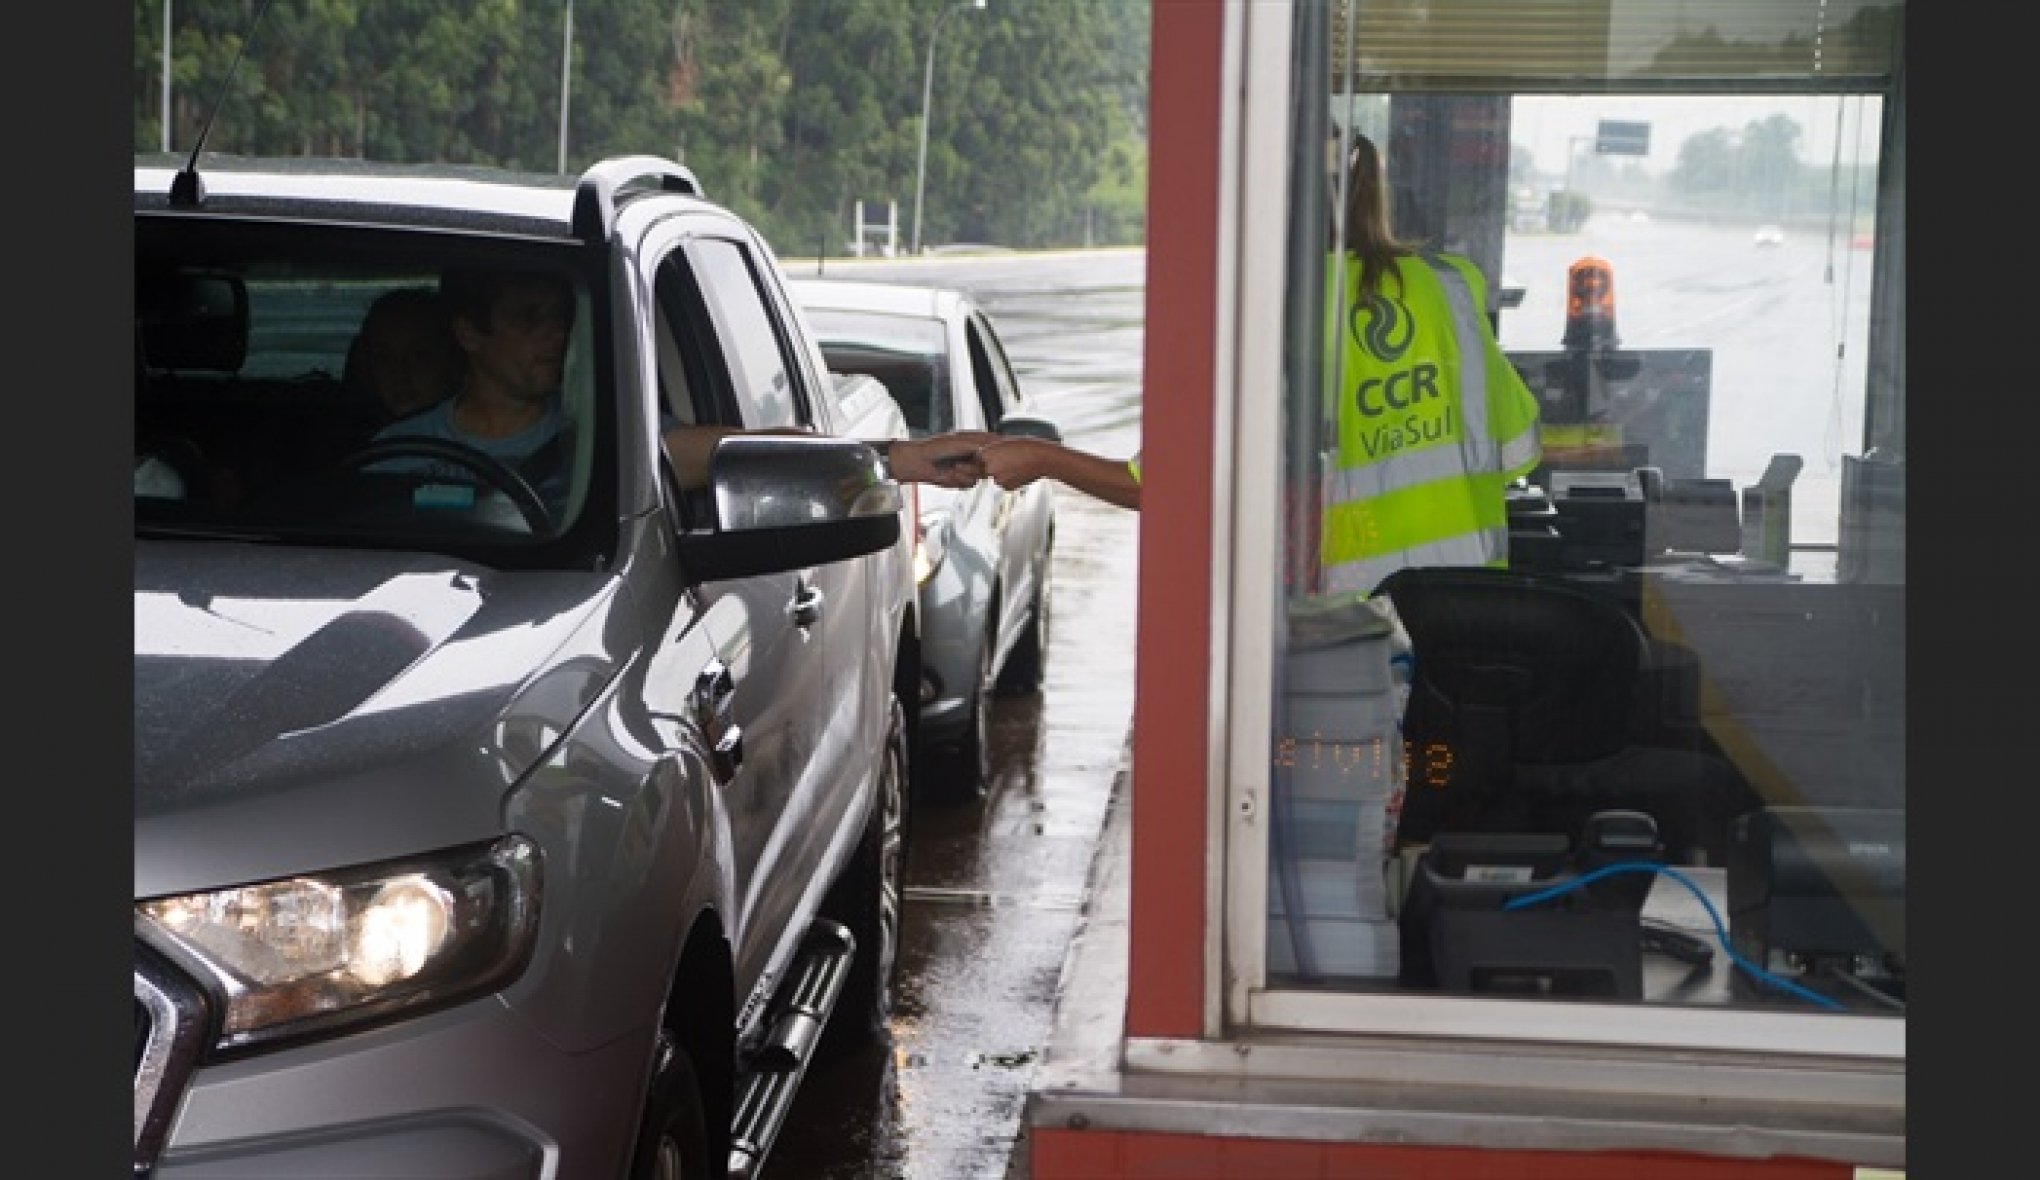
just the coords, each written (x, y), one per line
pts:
(715, 695)
(806, 607)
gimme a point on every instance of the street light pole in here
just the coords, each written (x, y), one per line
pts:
(1572, 145)
(927, 91)
(566, 78)
(166, 76)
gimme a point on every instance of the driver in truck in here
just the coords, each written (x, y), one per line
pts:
(513, 328)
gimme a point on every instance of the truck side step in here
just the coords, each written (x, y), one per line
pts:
(774, 1070)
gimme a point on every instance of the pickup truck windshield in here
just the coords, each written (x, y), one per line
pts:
(335, 387)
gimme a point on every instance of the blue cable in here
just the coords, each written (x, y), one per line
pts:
(1720, 931)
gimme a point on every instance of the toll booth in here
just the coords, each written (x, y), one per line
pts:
(1590, 863)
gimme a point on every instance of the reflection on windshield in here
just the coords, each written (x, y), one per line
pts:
(355, 402)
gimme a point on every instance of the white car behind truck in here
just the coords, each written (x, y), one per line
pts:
(985, 555)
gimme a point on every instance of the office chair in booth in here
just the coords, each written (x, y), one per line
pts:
(1526, 714)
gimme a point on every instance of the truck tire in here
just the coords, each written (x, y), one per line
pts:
(866, 899)
(673, 1139)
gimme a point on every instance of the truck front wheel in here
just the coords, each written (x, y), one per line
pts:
(673, 1139)
(867, 900)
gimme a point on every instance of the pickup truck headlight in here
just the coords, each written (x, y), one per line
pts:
(932, 545)
(307, 955)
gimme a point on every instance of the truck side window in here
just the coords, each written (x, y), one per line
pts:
(686, 393)
(694, 380)
(994, 371)
(761, 376)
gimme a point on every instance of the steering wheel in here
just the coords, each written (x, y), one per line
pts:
(493, 471)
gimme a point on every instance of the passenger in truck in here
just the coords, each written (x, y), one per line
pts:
(404, 359)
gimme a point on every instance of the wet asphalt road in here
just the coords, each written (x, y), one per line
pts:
(995, 886)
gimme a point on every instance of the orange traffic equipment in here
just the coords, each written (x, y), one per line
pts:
(1590, 304)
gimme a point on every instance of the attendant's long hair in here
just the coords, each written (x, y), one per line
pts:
(1369, 237)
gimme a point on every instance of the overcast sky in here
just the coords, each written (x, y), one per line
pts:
(1545, 124)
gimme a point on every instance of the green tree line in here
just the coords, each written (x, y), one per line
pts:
(1758, 173)
(789, 111)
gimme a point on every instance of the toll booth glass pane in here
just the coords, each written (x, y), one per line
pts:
(1589, 679)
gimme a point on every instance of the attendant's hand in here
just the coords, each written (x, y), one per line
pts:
(1016, 462)
(946, 460)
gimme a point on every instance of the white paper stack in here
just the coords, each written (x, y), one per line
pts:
(1339, 769)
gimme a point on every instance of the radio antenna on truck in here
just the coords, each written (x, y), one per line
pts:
(186, 190)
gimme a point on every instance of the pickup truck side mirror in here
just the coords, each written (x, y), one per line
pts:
(785, 503)
(1029, 426)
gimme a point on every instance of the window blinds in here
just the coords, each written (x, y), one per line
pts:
(1520, 46)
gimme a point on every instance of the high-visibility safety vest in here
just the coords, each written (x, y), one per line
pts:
(1426, 445)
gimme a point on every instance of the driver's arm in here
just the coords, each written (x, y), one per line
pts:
(946, 459)
(689, 446)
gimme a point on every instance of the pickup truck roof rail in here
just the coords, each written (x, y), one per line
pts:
(595, 197)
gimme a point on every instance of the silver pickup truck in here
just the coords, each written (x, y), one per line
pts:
(503, 807)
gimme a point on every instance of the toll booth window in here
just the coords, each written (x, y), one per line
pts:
(1589, 673)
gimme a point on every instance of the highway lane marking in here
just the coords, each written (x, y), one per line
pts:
(1057, 903)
